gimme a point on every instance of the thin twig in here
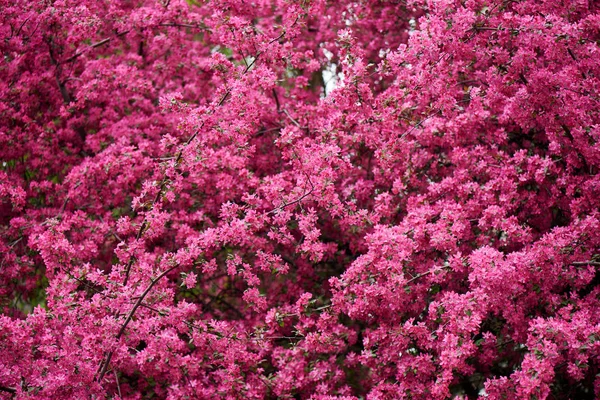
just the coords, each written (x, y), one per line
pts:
(64, 204)
(276, 99)
(22, 25)
(111, 231)
(163, 186)
(291, 119)
(106, 361)
(594, 263)
(57, 73)
(8, 389)
(278, 338)
(13, 244)
(431, 271)
(505, 343)
(298, 200)
(178, 25)
(94, 45)
(118, 384)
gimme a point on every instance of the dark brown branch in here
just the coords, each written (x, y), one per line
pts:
(594, 263)
(8, 389)
(94, 45)
(522, 76)
(276, 99)
(298, 200)
(423, 274)
(67, 198)
(107, 40)
(219, 299)
(163, 186)
(118, 384)
(418, 124)
(106, 361)
(505, 343)
(22, 25)
(291, 119)
(57, 73)
(177, 25)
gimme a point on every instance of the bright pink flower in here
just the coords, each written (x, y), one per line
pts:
(299, 199)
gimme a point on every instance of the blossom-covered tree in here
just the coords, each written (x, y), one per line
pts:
(300, 199)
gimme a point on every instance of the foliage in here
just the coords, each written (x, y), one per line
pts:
(300, 199)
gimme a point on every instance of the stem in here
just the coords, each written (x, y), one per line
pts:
(8, 389)
(594, 263)
(118, 384)
(94, 45)
(298, 200)
(422, 275)
(128, 319)
(57, 73)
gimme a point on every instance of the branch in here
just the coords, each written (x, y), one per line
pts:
(8, 389)
(229, 306)
(118, 384)
(57, 72)
(94, 45)
(106, 361)
(276, 99)
(431, 271)
(64, 204)
(291, 119)
(163, 186)
(509, 341)
(107, 40)
(298, 200)
(419, 123)
(594, 263)
(178, 25)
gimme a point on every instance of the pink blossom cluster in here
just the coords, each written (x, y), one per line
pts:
(310, 199)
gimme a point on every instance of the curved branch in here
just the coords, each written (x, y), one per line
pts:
(106, 361)
(579, 263)
(108, 39)
(431, 271)
(94, 45)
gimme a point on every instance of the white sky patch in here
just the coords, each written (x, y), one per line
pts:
(330, 78)
(412, 23)
(330, 75)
